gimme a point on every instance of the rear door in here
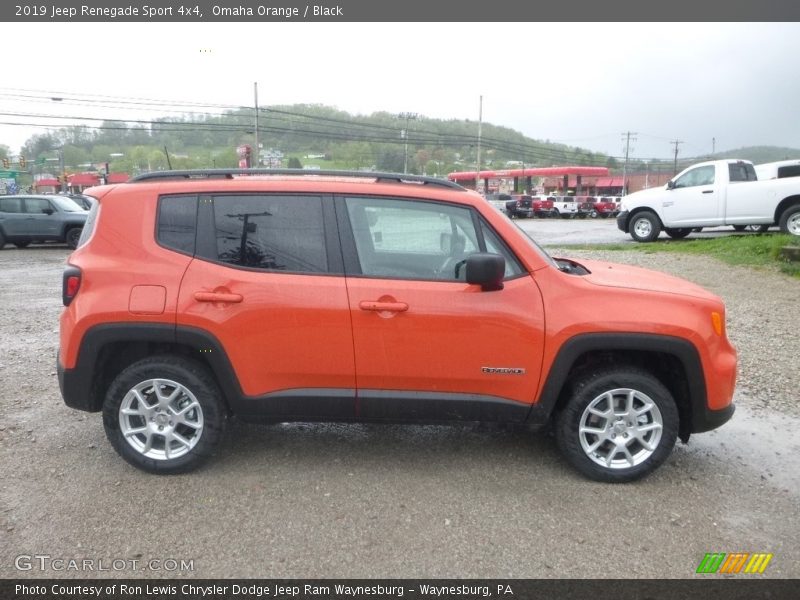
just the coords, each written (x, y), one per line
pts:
(267, 282)
(429, 346)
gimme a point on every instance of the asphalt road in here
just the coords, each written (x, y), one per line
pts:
(321, 500)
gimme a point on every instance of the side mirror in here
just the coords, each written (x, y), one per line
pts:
(47, 211)
(670, 185)
(486, 270)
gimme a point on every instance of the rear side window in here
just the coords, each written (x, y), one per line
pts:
(88, 227)
(37, 206)
(177, 223)
(275, 233)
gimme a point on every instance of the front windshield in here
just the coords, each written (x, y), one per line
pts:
(67, 204)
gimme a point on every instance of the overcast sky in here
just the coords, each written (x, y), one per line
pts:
(582, 84)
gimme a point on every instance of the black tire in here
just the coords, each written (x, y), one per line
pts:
(23, 244)
(594, 214)
(2, 240)
(555, 214)
(644, 226)
(591, 389)
(193, 378)
(73, 236)
(739, 228)
(790, 220)
(757, 228)
(678, 234)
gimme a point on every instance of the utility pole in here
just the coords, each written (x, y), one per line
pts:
(258, 152)
(628, 136)
(407, 116)
(480, 124)
(713, 145)
(675, 163)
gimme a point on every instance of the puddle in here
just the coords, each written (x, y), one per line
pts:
(764, 441)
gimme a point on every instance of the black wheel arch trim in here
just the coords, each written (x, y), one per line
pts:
(79, 384)
(702, 418)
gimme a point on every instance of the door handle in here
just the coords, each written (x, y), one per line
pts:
(217, 297)
(708, 191)
(378, 306)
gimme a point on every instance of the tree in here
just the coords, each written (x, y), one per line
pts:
(294, 163)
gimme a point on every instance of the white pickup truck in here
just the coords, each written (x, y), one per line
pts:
(710, 194)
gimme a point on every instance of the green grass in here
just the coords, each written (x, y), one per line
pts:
(748, 250)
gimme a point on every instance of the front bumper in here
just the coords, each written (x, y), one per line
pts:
(706, 419)
(622, 221)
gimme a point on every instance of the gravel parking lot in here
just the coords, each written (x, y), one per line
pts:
(319, 500)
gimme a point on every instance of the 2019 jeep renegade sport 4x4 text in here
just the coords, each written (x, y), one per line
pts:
(194, 296)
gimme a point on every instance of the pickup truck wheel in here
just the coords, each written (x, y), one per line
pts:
(739, 228)
(555, 214)
(594, 214)
(645, 226)
(757, 228)
(678, 234)
(73, 236)
(163, 414)
(790, 220)
(618, 425)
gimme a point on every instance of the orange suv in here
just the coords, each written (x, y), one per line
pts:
(340, 296)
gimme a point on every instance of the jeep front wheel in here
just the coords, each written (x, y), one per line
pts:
(617, 425)
(164, 414)
(645, 226)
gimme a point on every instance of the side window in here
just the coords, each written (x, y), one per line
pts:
(275, 233)
(695, 177)
(741, 172)
(37, 206)
(411, 239)
(177, 222)
(11, 205)
(789, 171)
(495, 246)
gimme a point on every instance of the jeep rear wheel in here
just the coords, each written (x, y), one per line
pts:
(617, 425)
(645, 226)
(164, 414)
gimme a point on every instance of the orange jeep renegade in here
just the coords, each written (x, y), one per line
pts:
(371, 297)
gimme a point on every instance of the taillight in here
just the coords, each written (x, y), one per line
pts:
(70, 284)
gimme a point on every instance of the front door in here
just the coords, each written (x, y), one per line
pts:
(429, 346)
(694, 199)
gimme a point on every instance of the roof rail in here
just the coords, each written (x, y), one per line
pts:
(229, 173)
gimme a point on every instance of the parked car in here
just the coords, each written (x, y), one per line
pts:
(82, 200)
(25, 219)
(602, 207)
(710, 194)
(377, 297)
(519, 206)
(498, 200)
(543, 206)
(570, 207)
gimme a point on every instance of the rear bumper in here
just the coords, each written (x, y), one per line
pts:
(75, 387)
